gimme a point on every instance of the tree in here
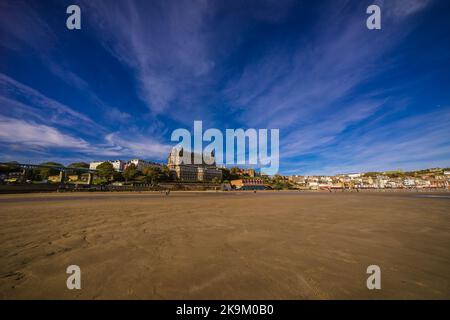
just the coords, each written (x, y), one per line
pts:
(215, 180)
(235, 172)
(130, 172)
(395, 174)
(155, 174)
(152, 174)
(9, 167)
(44, 172)
(165, 173)
(79, 165)
(226, 175)
(278, 183)
(105, 170)
(118, 176)
(372, 174)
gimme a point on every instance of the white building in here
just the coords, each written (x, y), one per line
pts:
(381, 182)
(118, 165)
(325, 179)
(409, 182)
(94, 164)
(141, 165)
(391, 184)
(297, 179)
(354, 175)
(313, 185)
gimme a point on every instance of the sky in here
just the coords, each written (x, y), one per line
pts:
(345, 98)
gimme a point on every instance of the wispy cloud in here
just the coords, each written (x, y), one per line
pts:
(310, 93)
(28, 136)
(295, 86)
(407, 143)
(33, 135)
(20, 99)
(165, 43)
(33, 122)
(138, 145)
(402, 8)
(33, 34)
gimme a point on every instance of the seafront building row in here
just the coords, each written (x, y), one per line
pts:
(205, 171)
(120, 165)
(181, 167)
(208, 171)
(373, 181)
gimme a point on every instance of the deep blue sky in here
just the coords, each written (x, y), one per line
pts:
(345, 98)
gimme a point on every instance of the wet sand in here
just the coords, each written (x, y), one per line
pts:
(268, 245)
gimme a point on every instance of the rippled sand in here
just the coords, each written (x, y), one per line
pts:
(268, 245)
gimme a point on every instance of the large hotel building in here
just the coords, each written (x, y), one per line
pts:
(206, 171)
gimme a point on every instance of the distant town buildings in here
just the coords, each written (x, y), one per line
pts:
(414, 180)
(297, 179)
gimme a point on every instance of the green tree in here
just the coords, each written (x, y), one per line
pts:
(216, 180)
(130, 172)
(105, 170)
(395, 174)
(79, 165)
(226, 175)
(152, 175)
(155, 174)
(165, 173)
(44, 172)
(235, 173)
(9, 167)
(118, 176)
(371, 174)
(279, 183)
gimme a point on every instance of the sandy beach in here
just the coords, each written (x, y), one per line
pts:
(225, 245)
